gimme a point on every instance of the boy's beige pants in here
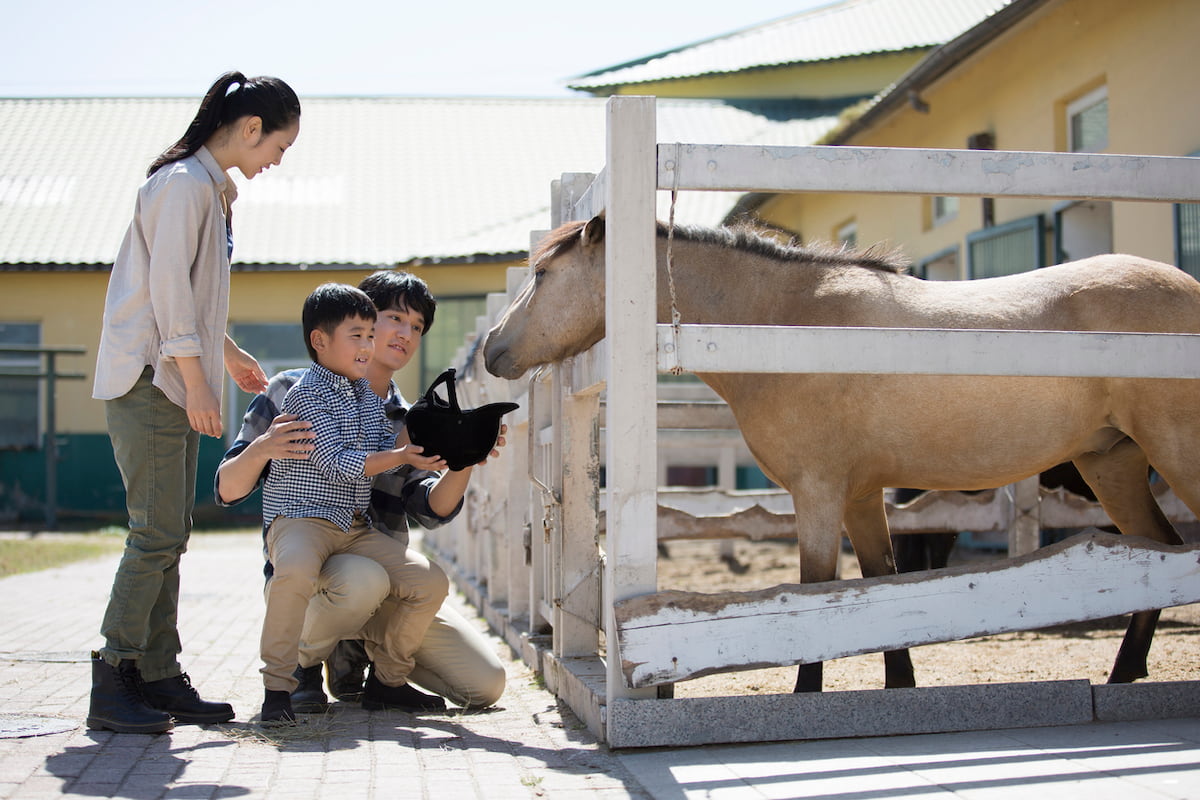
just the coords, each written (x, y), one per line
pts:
(297, 549)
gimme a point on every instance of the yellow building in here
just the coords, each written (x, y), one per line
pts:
(1041, 75)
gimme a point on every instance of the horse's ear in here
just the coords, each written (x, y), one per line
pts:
(593, 231)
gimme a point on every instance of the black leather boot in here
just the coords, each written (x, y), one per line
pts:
(377, 696)
(308, 697)
(277, 708)
(177, 697)
(347, 669)
(117, 702)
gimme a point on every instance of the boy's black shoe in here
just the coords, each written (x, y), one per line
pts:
(277, 708)
(308, 697)
(347, 667)
(117, 703)
(179, 698)
(378, 696)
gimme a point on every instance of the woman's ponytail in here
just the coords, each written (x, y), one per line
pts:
(268, 98)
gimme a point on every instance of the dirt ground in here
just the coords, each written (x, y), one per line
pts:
(1083, 650)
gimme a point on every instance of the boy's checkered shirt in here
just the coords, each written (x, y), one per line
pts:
(398, 498)
(349, 423)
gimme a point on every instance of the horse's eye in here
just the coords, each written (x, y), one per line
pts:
(539, 273)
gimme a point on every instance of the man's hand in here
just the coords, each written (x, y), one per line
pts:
(288, 437)
(499, 443)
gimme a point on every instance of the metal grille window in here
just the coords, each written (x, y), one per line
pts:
(20, 424)
(1087, 122)
(1017, 246)
(1187, 238)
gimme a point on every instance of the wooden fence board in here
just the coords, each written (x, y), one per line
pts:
(671, 636)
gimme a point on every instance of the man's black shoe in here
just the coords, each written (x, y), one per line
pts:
(117, 703)
(347, 667)
(277, 708)
(179, 698)
(308, 697)
(378, 696)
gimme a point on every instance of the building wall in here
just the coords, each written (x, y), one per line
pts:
(69, 307)
(1017, 87)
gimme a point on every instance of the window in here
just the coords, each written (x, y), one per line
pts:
(1087, 122)
(1017, 246)
(1082, 228)
(941, 266)
(20, 396)
(277, 346)
(1187, 238)
(942, 210)
(847, 234)
(453, 320)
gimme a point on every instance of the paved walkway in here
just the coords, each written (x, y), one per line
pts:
(528, 747)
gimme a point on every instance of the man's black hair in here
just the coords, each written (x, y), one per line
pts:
(389, 288)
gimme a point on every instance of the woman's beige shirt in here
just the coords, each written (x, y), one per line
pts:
(168, 295)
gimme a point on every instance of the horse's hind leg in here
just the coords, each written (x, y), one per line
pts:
(1119, 479)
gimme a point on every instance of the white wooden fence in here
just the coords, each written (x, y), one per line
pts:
(579, 600)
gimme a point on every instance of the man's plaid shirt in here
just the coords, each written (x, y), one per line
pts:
(396, 497)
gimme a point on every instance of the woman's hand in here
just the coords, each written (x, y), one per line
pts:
(243, 368)
(203, 410)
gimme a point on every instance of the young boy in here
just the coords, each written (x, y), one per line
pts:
(317, 507)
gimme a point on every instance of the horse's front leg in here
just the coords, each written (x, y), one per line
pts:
(866, 524)
(819, 534)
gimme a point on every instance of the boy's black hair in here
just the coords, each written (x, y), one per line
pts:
(389, 288)
(328, 305)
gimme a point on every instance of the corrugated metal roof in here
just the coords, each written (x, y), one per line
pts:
(839, 30)
(370, 181)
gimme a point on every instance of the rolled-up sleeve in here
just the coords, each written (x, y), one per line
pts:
(172, 224)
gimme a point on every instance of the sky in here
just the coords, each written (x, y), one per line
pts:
(498, 48)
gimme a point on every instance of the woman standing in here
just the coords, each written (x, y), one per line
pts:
(159, 371)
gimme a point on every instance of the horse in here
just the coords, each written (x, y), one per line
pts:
(834, 442)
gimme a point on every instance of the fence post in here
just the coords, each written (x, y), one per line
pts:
(631, 428)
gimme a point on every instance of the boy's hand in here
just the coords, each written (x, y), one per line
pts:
(412, 454)
(288, 437)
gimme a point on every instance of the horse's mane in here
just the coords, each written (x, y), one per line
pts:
(748, 240)
(758, 242)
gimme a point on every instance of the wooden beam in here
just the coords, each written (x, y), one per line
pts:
(912, 170)
(671, 636)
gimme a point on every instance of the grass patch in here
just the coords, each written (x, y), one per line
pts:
(30, 554)
(312, 728)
